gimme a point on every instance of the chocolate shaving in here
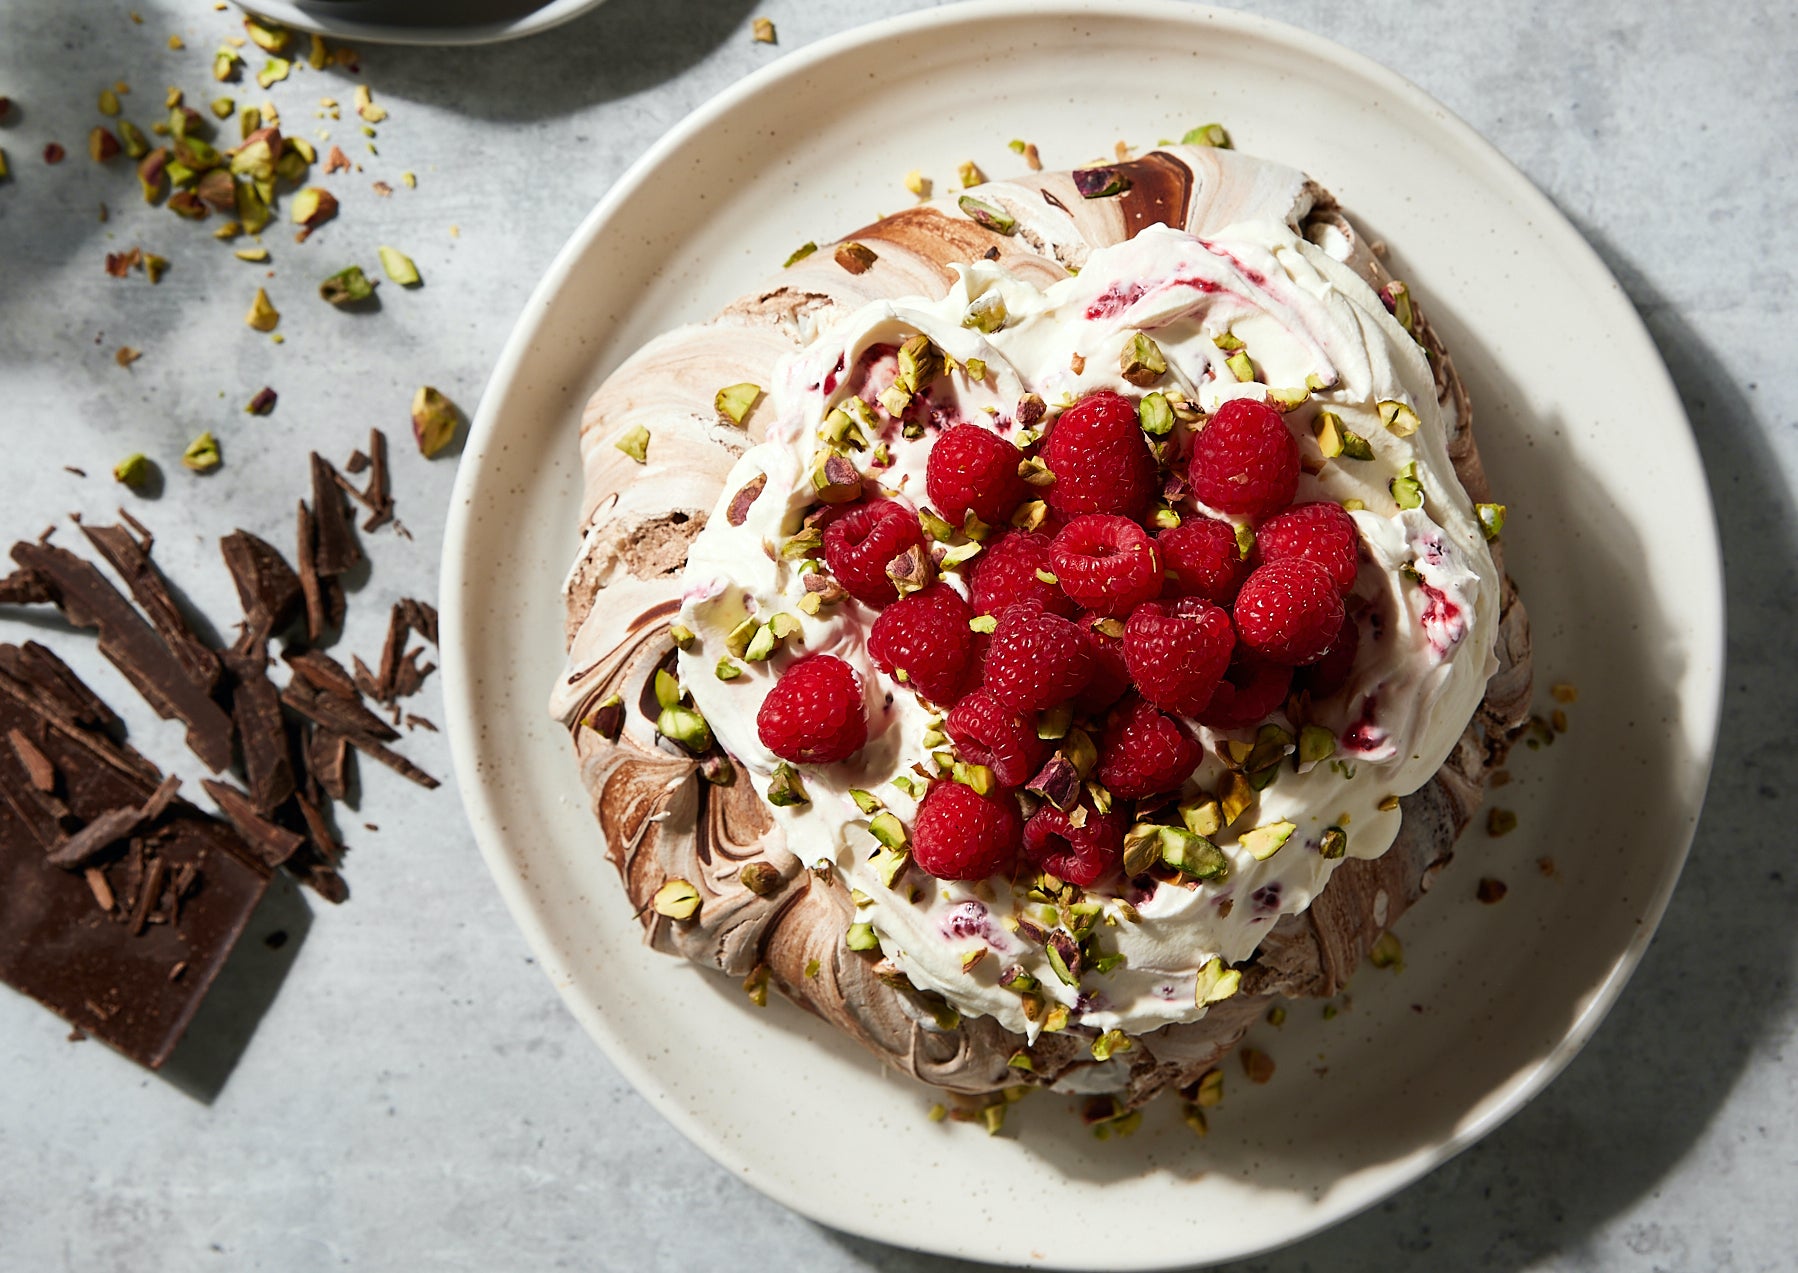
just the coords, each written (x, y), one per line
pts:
(131, 559)
(262, 732)
(357, 463)
(88, 601)
(79, 850)
(57, 686)
(37, 765)
(267, 587)
(102, 891)
(328, 759)
(322, 672)
(336, 547)
(377, 496)
(327, 711)
(318, 832)
(419, 722)
(272, 845)
(24, 588)
(311, 587)
(149, 895)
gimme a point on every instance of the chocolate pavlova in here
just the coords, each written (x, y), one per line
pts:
(1046, 626)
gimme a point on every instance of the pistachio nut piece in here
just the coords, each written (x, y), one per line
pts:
(734, 402)
(1263, 842)
(202, 454)
(676, 899)
(1142, 362)
(434, 420)
(786, 788)
(990, 215)
(398, 266)
(1215, 984)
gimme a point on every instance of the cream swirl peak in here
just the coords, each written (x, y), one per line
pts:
(1252, 312)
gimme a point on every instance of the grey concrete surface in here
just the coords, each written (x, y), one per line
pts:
(415, 1096)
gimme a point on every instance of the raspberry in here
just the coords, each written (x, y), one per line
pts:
(1107, 564)
(1330, 673)
(859, 544)
(1036, 660)
(986, 732)
(972, 469)
(925, 636)
(1177, 652)
(1143, 752)
(960, 834)
(1004, 574)
(1289, 611)
(1245, 460)
(1078, 854)
(1320, 532)
(1100, 460)
(1202, 559)
(1111, 676)
(1252, 689)
(814, 715)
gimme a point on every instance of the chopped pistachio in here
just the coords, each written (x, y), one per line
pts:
(986, 312)
(726, 670)
(1492, 519)
(918, 183)
(762, 31)
(1056, 1020)
(1276, 1016)
(734, 402)
(676, 899)
(1235, 798)
(316, 54)
(1080, 751)
(1142, 362)
(861, 937)
(1202, 816)
(256, 255)
(1286, 400)
(1020, 1060)
(1154, 414)
(976, 369)
(1397, 299)
(938, 1112)
(1100, 183)
(755, 985)
(1207, 135)
(1053, 723)
(685, 726)
(202, 454)
(1257, 1065)
(667, 688)
(434, 420)
(1399, 417)
(102, 145)
(1334, 843)
(1263, 842)
(225, 63)
(1229, 342)
(262, 402)
(799, 254)
(346, 287)
(263, 316)
(974, 528)
(857, 258)
(1240, 366)
(835, 480)
(1387, 803)
(957, 556)
(271, 37)
(786, 788)
(134, 471)
(252, 208)
(1500, 821)
(136, 146)
(1192, 855)
(979, 777)
(989, 214)
(273, 71)
(891, 832)
(223, 107)
(1194, 1117)
(993, 1118)
(1387, 952)
(398, 266)
(760, 878)
(1216, 983)
(1407, 491)
(1035, 472)
(1353, 505)
(312, 207)
(1316, 744)
(1336, 439)
(1030, 514)
(969, 173)
(634, 443)
(761, 646)
(1112, 1041)
(365, 106)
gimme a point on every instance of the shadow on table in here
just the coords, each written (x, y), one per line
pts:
(621, 48)
(1642, 1093)
(247, 985)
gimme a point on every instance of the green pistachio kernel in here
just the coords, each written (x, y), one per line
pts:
(676, 899)
(990, 215)
(1229, 342)
(1202, 816)
(983, 623)
(786, 788)
(1388, 952)
(727, 670)
(734, 402)
(1334, 843)
(1285, 400)
(1215, 984)
(1142, 362)
(667, 687)
(1407, 491)
(1316, 744)
(399, 266)
(761, 645)
(634, 443)
(979, 777)
(799, 254)
(1399, 417)
(1245, 540)
(1112, 1041)
(1492, 519)
(985, 313)
(1207, 135)
(202, 454)
(682, 636)
(1263, 842)
(1192, 855)
(891, 832)
(1053, 723)
(1240, 366)
(861, 937)
(685, 726)
(866, 801)
(1155, 414)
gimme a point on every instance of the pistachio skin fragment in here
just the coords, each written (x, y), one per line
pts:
(676, 899)
(202, 454)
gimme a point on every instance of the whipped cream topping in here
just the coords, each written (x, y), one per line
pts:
(1427, 632)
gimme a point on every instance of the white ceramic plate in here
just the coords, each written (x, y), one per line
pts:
(1611, 537)
(446, 21)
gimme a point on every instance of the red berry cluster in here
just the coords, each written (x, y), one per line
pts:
(1133, 627)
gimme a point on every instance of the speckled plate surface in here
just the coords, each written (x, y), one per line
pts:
(1611, 537)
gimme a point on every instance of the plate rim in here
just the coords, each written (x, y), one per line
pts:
(1708, 638)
